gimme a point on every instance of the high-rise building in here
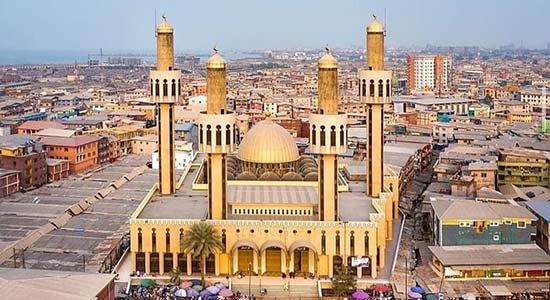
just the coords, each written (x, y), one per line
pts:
(429, 72)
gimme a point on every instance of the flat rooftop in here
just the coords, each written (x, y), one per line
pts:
(91, 233)
(485, 255)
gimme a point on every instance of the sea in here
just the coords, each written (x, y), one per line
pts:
(21, 57)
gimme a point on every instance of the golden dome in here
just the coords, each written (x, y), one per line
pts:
(215, 61)
(328, 61)
(375, 26)
(164, 27)
(268, 142)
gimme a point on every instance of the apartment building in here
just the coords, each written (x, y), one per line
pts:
(429, 72)
(82, 152)
(523, 167)
(22, 153)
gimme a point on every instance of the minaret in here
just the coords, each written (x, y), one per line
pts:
(217, 133)
(328, 137)
(375, 91)
(165, 91)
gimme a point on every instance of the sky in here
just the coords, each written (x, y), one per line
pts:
(128, 25)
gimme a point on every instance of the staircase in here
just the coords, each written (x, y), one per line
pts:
(302, 289)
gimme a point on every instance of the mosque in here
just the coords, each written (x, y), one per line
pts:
(277, 211)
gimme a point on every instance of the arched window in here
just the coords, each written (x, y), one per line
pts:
(333, 135)
(218, 135)
(181, 238)
(174, 90)
(342, 138)
(152, 91)
(154, 240)
(313, 135)
(371, 88)
(165, 88)
(323, 137)
(157, 88)
(323, 243)
(380, 88)
(228, 134)
(337, 242)
(168, 240)
(179, 87)
(352, 243)
(201, 135)
(388, 89)
(208, 135)
(140, 241)
(224, 241)
(364, 88)
(366, 243)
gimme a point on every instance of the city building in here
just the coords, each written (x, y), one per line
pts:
(9, 182)
(57, 169)
(523, 167)
(82, 152)
(33, 127)
(24, 154)
(541, 208)
(429, 72)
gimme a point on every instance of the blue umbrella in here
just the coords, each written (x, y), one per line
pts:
(205, 293)
(417, 289)
(196, 281)
(192, 293)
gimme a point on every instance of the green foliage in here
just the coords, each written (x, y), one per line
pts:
(175, 276)
(201, 241)
(343, 283)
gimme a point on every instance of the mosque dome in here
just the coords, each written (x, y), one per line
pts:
(164, 27)
(327, 61)
(215, 61)
(268, 142)
(375, 26)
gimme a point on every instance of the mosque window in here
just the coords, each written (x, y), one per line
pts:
(388, 89)
(333, 135)
(366, 243)
(371, 88)
(154, 240)
(323, 137)
(157, 88)
(341, 135)
(352, 243)
(167, 240)
(238, 230)
(228, 134)
(174, 90)
(323, 243)
(364, 88)
(224, 241)
(380, 88)
(266, 231)
(337, 242)
(140, 240)
(208, 135)
(152, 91)
(218, 135)
(164, 88)
(280, 231)
(200, 135)
(313, 135)
(179, 87)
(294, 231)
(251, 230)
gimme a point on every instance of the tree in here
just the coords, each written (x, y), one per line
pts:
(175, 276)
(343, 283)
(201, 241)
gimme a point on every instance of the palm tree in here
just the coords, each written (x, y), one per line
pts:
(175, 276)
(202, 240)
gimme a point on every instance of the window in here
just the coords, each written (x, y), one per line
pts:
(508, 222)
(521, 224)
(484, 175)
(496, 237)
(493, 224)
(464, 224)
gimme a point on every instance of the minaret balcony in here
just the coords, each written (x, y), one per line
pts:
(217, 132)
(375, 87)
(328, 133)
(165, 86)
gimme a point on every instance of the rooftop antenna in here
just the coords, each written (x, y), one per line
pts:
(385, 25)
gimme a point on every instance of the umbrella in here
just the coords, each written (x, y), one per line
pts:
(213, 290)
(196, 281)
(431, 297)
(192, 293)
(205, 293)
(414, 295)
(381, 288)
(180, 293)
(147, 283)
(226, 293)
(360, 295)
(220, 285)
(417, 289)
(186, 284)
(198, 288)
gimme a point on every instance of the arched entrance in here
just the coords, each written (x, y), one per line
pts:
(140, 262)
(303, 258)
(273, 254)
(245, 256)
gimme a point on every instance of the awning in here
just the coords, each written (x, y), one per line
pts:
(245, 243)
(497, 290)
(299, 244)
